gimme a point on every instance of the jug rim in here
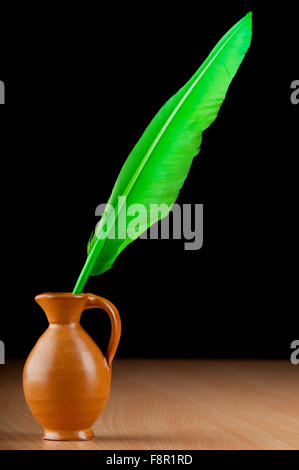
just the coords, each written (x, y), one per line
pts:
(62, 295)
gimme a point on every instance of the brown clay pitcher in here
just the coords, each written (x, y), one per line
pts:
(66, 378)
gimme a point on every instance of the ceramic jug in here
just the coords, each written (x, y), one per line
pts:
(66, 377)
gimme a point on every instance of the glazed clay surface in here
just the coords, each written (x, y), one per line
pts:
(66, 377)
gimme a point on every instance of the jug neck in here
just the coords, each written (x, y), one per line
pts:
(62, 307)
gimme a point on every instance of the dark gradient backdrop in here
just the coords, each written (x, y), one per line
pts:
(79, 95)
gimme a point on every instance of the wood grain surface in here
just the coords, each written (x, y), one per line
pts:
(174, 404)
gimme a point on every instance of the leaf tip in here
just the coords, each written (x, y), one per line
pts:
(248, 17)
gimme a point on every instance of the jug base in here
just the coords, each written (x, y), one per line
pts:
(84, 435)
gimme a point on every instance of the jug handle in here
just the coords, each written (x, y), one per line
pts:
(94, 301)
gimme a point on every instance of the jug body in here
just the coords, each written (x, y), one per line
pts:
(66, 377)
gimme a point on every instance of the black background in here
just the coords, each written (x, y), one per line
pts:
(81, 86)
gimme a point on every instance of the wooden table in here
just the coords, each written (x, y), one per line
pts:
(174, 404)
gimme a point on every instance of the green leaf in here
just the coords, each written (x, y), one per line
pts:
(158, 165)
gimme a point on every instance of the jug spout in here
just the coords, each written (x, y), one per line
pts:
(62, 307)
